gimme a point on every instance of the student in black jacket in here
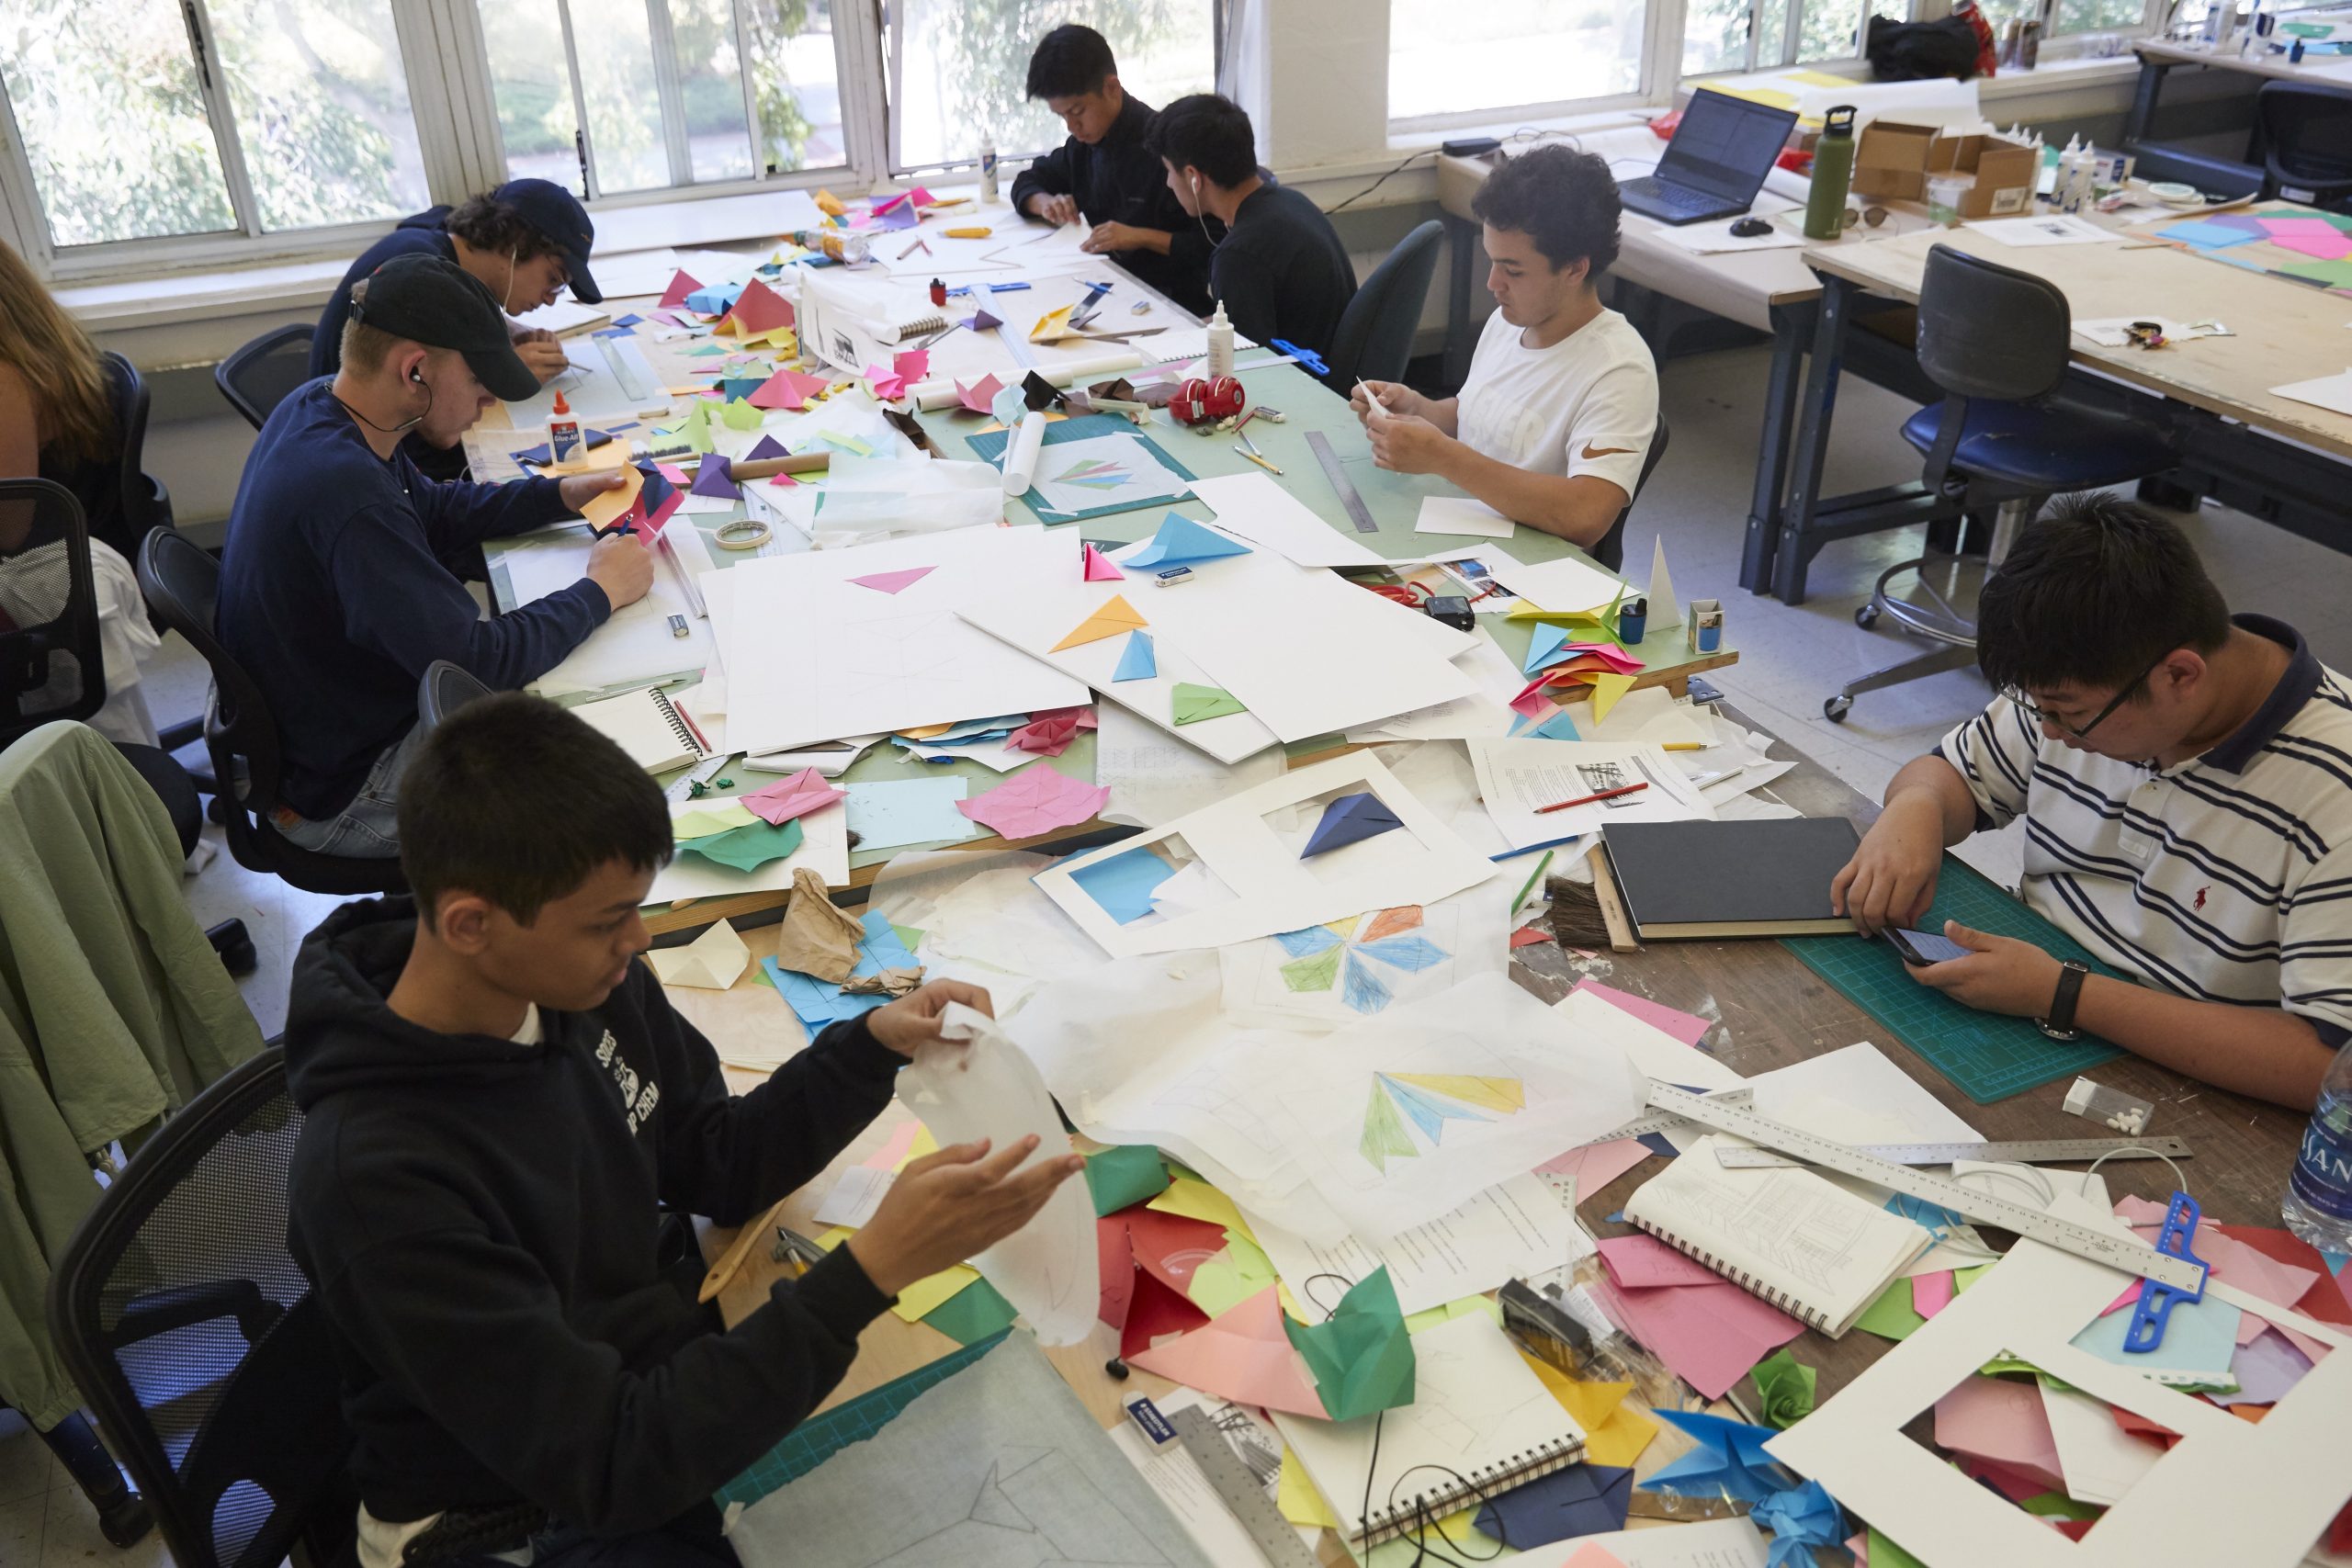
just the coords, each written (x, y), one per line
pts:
(1105, 172)
(1280, 271)
(496, 1096)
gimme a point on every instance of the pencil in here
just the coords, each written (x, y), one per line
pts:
(1588, 800)
(1533, 878)
(1684, 746)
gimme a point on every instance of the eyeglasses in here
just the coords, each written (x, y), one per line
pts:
(2034, 711)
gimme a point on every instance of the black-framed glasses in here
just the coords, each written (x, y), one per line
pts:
(2033, 710)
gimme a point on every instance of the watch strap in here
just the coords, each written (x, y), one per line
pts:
(2059, 1022)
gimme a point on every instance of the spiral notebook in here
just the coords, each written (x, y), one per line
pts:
(1789, 1236)
(1480, 1422)
(646, 726)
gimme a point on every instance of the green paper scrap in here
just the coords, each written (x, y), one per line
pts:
(747, 848)
(1429, 1317)
(1232, 1277)
(1193, 703)
(737, 414)
(909, 937)
(1123, 1175)
(972, 1314)
(853, 444)
(2332, 274)
(1362, 1356)
(1784, 1388)
(1884, 1553)
(706, 351)
(2058, 1505)
(1963, 1277)
(1891, 1316)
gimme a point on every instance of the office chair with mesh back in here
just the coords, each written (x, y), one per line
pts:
(199, 1343)
(257, 377)
(183, 588)
(1610, 551)
(1994, 340)
(2305, 131)
(1375, 337)
(445, 689)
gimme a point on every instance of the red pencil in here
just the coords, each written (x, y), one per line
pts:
(1588, 800)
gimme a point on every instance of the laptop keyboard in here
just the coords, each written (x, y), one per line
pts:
(1679, 198)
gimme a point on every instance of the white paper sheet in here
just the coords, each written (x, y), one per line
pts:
(1154, 778)
(856, 1193)
(1704, 1543)
(1418, 862)
(2101, 1461)
(635, 647)
(2333, 393)
(638, 272)
(1856, 1096)
(2050, 228)
(1516, 778)
(1566, 584)
(1654, 1052)
(1326, 976)
(1512, 1230)
(1253, 507)
(824, 848)
(974, 1082)
(819, 656)
(1487, 713)
(1462, 514)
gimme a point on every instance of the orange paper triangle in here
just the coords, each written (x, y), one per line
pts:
(1116, 617)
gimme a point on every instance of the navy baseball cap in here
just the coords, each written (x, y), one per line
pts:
(435, 302)
(557, 213)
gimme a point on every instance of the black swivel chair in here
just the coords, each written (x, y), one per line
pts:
(1374, 339)
(257, 377)
(2305, 132)
(140, 501)
(1994, 340)
(446, 688)
(183, 588)
(199, 1343)
(1610, 551)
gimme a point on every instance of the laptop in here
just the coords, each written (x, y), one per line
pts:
(1722, 149)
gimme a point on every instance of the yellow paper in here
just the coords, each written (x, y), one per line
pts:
(1468, 1306)
(717, 818)
(919, 1300)
(1198, 1201)
(925, 1144)
(1230, 1278)
(1296, 1497)
(1771, 96)
(829, 204)
(1614, 1432)
(605, 508)
(613, 454)
(1053, 326)
(740, 415)
(1607, 687)
(1818, 79)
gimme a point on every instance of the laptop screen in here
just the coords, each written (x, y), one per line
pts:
(1725, 146)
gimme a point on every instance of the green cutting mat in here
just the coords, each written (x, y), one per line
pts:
(990, 445)
(1986, 1055)
(822, 1436)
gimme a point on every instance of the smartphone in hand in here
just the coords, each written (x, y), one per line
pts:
(1924, 947)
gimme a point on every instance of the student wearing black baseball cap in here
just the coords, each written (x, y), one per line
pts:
(337, 587)
(525, 240)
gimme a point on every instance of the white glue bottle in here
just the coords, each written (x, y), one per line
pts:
(564, 432)
(988, 169)
(1220, 342)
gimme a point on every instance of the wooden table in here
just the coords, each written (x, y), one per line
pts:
(2281, 460)
(2169, 161)
(1773, 1011)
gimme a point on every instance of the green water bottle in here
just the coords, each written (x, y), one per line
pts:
(1833, 172)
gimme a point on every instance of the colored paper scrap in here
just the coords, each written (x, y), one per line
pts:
(1784, 1388)
(1051, 730)
(768, 446)
(976, 397)
(1296, 1497)
(1687, 1027)
(682, 286)
(714, 819)
(796, 796)
(1243, 1355)
(1196, 1199)
(788, 389)
(1123, 1175)
(1180, 541)
(1362, 1357)
(1098, 565)
(1170, 1247)
(1709, 1335)
(759, 311)
(1156, 1311)
(1614, 1431)
(1729, 1459)
(1800, 1518)
(892, 582)
(1137, 661)
(2001, 1421)
(1893, 1316)
(819, 1003)
(981, 321)
(1583, 1499)
(1115, 616)
(972, 1314)
(714, 477)
(1349, 819)
(747, 848)
(740, 415)
(1193, 704)
(712, 962)
(1035, 800)
(1124, 884)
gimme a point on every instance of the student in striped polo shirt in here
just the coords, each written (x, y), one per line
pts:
(2186, 781)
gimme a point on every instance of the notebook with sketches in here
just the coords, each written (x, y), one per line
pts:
(646, 726)
(1480, 1422)
(1788, 1236)
(1705, 881)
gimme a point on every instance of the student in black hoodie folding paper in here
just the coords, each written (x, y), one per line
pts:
(496, 1096)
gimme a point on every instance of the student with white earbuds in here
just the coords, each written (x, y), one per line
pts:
(336, 583)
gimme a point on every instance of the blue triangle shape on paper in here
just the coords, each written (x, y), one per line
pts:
(1544, 648)
(1346, 820)
(1180, 539)
(1429, 1113)
(1137, 661)
(1559, 726)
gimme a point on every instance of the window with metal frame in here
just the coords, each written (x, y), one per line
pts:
(958, 69)
(1454, 61)
(631, 95)
(1770, 35)
(143, 121)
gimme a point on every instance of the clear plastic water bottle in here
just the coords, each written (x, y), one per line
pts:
(2318, 1205)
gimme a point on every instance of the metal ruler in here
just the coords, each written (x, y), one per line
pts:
(1236, 1487)
(2131, 1255)
(2032, 1151)
(1320, 445)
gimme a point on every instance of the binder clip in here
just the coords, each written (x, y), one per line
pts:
(2154, 1309)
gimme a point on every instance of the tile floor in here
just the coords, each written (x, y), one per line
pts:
(1791, 660)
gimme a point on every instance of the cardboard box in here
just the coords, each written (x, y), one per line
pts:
(1891, 161)
(2002, 173)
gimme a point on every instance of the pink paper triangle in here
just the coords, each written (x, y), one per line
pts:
(1098, 566)
(891, 581)
(1243, 1356)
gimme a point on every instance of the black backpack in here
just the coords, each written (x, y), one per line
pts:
(1908, 52)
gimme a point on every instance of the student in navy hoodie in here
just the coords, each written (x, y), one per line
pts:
(497, 1096)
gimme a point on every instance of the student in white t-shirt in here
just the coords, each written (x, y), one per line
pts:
(1551, 426)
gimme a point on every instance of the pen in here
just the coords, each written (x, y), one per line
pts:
(1533, 878)
(1588, 800)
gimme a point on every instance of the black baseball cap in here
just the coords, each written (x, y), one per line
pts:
(557, 213)
(434, 301)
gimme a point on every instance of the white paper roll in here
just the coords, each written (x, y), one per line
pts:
(1021, 453)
